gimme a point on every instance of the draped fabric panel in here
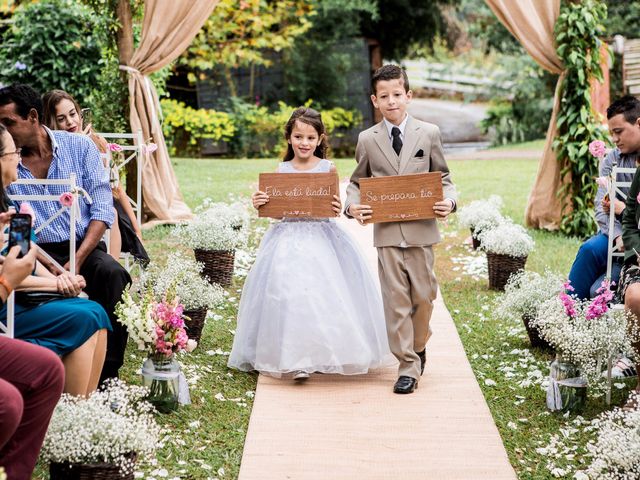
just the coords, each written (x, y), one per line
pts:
(532, 23)
(167, 30)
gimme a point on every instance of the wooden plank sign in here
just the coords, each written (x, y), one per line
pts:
(401, 198)
(298, 194)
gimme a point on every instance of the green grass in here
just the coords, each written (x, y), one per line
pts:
(199, 452)
(532, 145)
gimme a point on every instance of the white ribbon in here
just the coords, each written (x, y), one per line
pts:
(554, 398)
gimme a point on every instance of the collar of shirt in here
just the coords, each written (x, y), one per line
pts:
(54, 152)
(402, 126)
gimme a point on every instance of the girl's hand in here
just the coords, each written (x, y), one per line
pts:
(337, 205)
(259, 198)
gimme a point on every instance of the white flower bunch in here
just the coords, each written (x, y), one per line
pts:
(106, 427)
(507, 239)
(526, 292)
(481, 214)
(136, 316)
(235, 214)
(182, 275)
(585, 337)
(615, 451)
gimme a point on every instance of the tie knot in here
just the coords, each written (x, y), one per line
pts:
(395, 132)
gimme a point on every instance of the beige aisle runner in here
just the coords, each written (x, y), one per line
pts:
(355, 427)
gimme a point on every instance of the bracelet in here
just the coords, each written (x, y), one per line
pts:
(7, 286)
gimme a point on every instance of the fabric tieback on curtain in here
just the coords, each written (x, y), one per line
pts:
(148, 85)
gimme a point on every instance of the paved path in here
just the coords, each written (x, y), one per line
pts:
(335, 427)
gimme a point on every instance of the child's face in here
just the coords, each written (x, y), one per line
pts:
(392, 99)
(304, 140)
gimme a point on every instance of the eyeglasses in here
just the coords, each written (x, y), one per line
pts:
(17, 152)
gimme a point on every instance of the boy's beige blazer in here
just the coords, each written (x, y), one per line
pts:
(376, 158)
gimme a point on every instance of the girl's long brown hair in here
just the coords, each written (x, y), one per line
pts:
(49, 102)
(310, 117)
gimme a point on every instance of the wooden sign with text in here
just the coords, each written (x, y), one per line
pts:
(298, 194)
(401, 198)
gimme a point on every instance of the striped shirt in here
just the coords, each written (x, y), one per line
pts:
(72, 153)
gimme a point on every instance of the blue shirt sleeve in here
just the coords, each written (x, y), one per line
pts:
(95, 180)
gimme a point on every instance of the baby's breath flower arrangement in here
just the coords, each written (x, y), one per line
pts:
(524, 294)
(615, 450)
(586, 333)
(114, 425)
(481, 215)
(507, 239)
(235, 214)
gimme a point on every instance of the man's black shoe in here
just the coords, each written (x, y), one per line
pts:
(423, 359)
(405, 385)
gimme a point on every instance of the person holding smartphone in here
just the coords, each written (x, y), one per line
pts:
(62, 112)
(72, 327)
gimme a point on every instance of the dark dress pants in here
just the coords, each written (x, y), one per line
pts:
(106, 280)
(31, 381)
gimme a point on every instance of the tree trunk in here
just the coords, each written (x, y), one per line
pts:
(124, 40)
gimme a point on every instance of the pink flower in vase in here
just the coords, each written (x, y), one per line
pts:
(568, 301)
(66, 199)
(598, 148)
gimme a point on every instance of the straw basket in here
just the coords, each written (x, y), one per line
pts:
(534, 335)
(501, 267)
(88, 471)
(474, 241)
(195, 322)
(218, 265)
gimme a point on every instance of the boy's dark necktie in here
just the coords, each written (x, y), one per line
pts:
(397, 142)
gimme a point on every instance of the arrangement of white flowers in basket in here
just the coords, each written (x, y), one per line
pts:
(210, 233)
(182, 275)
(481, 215)
(507, 239)
(586, 333)
(113, 426)
(615, 449)
(235, 214)
(524, 294)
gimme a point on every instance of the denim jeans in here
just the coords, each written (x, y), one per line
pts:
(590, 267)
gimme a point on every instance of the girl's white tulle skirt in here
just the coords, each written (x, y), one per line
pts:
(309, 304)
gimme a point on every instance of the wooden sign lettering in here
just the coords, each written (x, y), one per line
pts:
(401, 198)
(298, 194)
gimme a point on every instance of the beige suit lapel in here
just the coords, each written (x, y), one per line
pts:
(381, 136)
(411, 136)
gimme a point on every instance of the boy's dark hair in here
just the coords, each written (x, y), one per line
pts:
(310, 117)
(629, 106)
(24, 97)
(389, 72)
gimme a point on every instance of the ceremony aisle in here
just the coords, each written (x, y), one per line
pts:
(356, 427)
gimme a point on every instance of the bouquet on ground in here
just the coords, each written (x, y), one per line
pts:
(481, 215)
(113, 426)
(524, 294)
(507, 239)
(587, 333)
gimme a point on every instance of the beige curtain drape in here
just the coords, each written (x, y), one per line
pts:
(532, 23)
(168, 28)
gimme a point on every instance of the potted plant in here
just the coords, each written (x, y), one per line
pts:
(214, 234)
(507, 247)
(182, 275)
(157, 327)
(585, 334)
(481, 215)
(101, 436)
(524, 294)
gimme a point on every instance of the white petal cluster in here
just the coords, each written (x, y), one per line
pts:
(588, 343)
(136, 316)
(183, 276)
(481, 214)
(525, 292)
(507, 239)
(105, 427)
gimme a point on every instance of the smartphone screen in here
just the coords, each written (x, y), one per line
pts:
(20, 233)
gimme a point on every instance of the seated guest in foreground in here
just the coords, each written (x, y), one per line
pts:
(31, 381)
(590, 266)
(62, 112)
(626, 131)
(74, 328)
(57, 154)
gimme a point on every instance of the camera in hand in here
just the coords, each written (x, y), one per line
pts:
(20, 233)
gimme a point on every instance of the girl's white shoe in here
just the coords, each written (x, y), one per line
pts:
(300, 375)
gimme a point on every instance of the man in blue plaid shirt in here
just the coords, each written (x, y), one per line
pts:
(48, 154)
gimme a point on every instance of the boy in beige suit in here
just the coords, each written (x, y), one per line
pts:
(401, 145)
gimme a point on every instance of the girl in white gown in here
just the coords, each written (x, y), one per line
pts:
(309, 303)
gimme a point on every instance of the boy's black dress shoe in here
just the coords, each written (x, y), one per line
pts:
(405, 385)
(423, 359)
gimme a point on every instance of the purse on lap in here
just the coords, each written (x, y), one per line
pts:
(33, 299)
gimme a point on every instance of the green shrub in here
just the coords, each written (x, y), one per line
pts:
(183, 127)
(52, 44)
